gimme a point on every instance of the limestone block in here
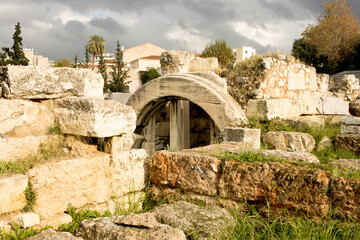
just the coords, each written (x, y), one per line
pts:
(208, 222)
(307, 102)
(251, 137)
(354, 107)
(49, 82)
(50, 234)
(296, 80)
(128, 171)
(117, 144)
(191, 172)
(332, 105)
(272, 108)
(345, 83)
(78, 181)
(27, 219)
(12, 188)
(20, 118)
(291, 141)
(300, 188)
(291, 156)
(94, 117)
(132, 226)
(203, 64)
(322, 81)
(20, 148)
(56, 220)
(175, 61)
(350, 129)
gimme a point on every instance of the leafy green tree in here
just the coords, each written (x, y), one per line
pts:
(63, 62)
(221, 50)
(102, 71)
(96, 46)
(16, 54)
(337, 32)
(149, 75)
(119, 76)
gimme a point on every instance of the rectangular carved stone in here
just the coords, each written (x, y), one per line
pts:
(332, 105)
(272, 108)
(91, 117)
(12, 189)
(117, 144)
(251, 137)
(49, 83)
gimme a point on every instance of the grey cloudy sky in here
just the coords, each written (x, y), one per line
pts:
(60, 28)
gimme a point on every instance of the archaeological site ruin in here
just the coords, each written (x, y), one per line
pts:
(103, 152)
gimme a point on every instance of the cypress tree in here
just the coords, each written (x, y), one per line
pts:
(16, 54)
(119, 83)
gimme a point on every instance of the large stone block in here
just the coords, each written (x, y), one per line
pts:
(12, 189)
(128, 170)
(188, 171)
(117, 144)
(175, 61)
(49, 82)
(94, 117)
(26, 220)
(272, 108)
(348, 141)
(332, 105)
(278, 184)
(354, 107)
(78, 181)
(350, 125)
(345, 84)
(251, 137)
(20, 148)
(291, 141)
(20, 118)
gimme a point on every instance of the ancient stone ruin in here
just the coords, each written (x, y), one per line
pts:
(95, 153)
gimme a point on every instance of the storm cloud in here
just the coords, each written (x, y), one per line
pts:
(60, 28)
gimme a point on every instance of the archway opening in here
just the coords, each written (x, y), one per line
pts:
(175, 123)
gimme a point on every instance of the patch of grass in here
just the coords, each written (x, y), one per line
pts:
(30, 196)
(14, 167)
(328, 155)
(53, 148)
(54, 130)
(19, 233)
(78, 216)
(253, 226)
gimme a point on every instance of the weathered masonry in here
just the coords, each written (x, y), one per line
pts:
(167, 102)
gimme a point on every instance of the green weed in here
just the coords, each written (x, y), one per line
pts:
(54, 130)
(30, 196)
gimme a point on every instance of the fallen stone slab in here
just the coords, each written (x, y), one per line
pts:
(12, 189)
(351, 164)
(348, 141)
(50, 234)
(186, 170)
(48, 83)
(291, 141)
(332, 105)
(280, 185)
(350, 125)
(131, 227)
(94, 117)
(291, 156)
(201, 222)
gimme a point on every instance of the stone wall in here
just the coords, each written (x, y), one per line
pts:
(37, 99)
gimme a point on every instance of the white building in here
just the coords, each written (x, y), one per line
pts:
(35, 59)
(243, 53)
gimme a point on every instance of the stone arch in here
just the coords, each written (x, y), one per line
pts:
(206, 89)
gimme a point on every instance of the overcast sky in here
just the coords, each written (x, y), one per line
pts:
(60, 28)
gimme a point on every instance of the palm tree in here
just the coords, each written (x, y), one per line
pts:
(96, 45)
